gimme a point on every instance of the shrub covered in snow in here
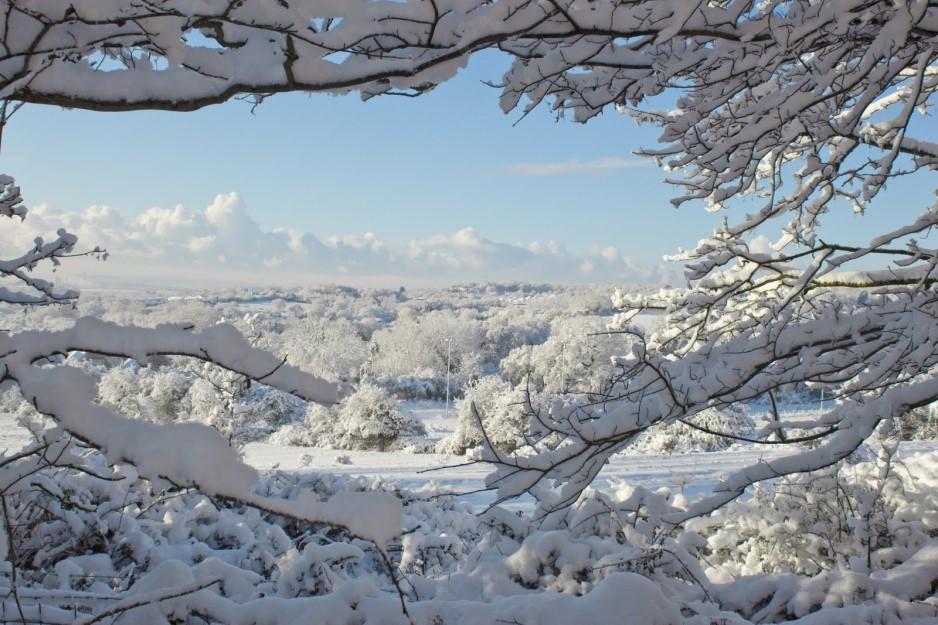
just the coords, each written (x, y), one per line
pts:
(369, 418)
(501, 409)
(677, 437)
(90, 538)
(316, 429)
(919, 424)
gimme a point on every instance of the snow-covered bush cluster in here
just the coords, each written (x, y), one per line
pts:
(194, 392)
(83, 538)
(393, 346)
(510, 344)
(369, 418)
(714, 431)
(859, 517)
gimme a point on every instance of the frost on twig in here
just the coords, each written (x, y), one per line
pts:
(29, 288)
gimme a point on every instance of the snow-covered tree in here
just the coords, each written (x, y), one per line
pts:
(578, 356)
(499, 406)
(332, 349)
(791, 110)
(425, 345)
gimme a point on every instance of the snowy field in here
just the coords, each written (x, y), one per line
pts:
(692, 474)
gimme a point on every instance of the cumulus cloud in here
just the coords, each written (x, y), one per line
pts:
(761, 244)
(367, 241)
(200, 244)
(223, 245)
(609, 253)
(594, 166)
(467, 249)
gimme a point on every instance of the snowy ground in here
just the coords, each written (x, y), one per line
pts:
(694, 473)
(691, 473)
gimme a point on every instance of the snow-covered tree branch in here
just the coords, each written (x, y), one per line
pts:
(31, 289)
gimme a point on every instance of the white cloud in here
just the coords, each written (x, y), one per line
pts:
(550, 248)
(228, 212)
(160, 222)
(761, 244)
(223, 244)
(463, 248)
(594, 166)
(367, 241)
(201, 244)
(610, 253)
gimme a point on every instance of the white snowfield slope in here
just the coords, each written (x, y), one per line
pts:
(693, 474)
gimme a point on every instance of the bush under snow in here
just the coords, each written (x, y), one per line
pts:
(83, 545)
(369, 418)
(501, 410)
(676, 437)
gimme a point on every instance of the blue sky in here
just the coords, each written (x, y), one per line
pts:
(403, 169)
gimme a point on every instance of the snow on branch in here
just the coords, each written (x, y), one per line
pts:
(879, 354)
(184, 454)
(11, 200)
(31, 289)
